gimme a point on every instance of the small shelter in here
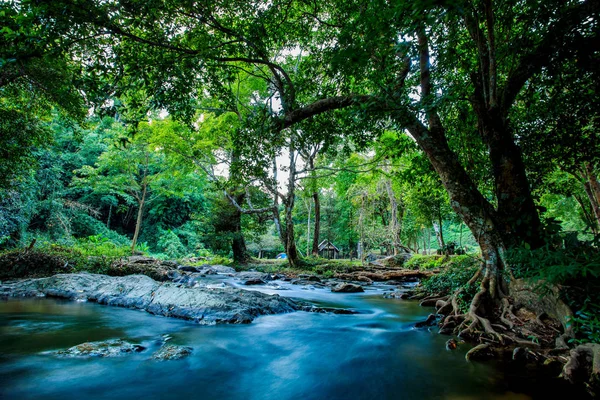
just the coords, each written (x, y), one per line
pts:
(328, 250)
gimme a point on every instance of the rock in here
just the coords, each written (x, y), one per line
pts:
(172, 352)
(310, 278)
(362, 278)
(156, 269)
(202, 305)
(396, 261)
(397, 294)
(347, 288)
(187, 268)
(109, 348)
(222, 269)
(451, 344)
(430, 321)
(327, 310)
(254, 281)
(253, 277)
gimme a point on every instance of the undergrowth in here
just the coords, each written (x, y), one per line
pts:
(454, 274)
(93, 254)
(576, 271)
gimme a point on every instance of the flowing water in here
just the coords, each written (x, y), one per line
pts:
(372, 355)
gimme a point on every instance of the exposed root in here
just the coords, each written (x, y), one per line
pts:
(507, 312)
(432, 301)
(479, 352)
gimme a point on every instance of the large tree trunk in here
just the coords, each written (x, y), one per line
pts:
(466, 200)
(317, 226)
(516, 209)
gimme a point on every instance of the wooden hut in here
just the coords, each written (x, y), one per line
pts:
(328, 250)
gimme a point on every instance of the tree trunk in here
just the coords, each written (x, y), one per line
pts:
(466, 200)
(308, 207)
(109, 215)
(289, 242)
(290, 239)
(592, 189)
(238, 243)
(394, 222)
(593, 201)
(516, 209)
(587, 215)
(140, 213)
(437, 228)
(317, 227)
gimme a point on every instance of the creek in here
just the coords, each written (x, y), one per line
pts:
(376, 354)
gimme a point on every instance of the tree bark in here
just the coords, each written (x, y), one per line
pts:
(238, 243)
(593, 201)
(140, 214)
(394, 222)
(288, 235)
(317, 226)
(592, 189)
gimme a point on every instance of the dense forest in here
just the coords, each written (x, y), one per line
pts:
(232, 132)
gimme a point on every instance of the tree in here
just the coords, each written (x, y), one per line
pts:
(372, 62)
(129, 169)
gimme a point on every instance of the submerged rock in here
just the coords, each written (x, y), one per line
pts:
(207, 306)
(172, 352)
(347, 288)
(108, 348)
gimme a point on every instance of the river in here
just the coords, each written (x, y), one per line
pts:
(376, 354)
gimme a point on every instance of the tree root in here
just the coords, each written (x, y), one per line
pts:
(480, 352)
(432, 301)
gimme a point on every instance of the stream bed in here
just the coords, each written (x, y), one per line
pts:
(376, 354)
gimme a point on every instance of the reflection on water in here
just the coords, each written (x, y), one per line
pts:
(299, 355)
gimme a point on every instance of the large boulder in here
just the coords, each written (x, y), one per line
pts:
(206, 306)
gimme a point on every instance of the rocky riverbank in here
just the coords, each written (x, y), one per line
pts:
(203, 305)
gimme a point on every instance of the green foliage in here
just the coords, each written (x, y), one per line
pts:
(424, 262)
(170, 244)
(93, 254)
(454, 276)
(555, 265)
(586, 321)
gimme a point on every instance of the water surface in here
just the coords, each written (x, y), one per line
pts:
(373, 355)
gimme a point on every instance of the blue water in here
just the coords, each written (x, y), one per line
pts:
(373, 355)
